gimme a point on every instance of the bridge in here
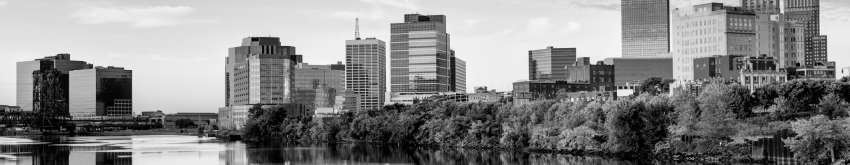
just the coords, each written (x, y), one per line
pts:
(45, 121)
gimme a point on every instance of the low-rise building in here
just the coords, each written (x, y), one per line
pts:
(527, 91)
(600, 76)
(818, 72)
(8, 108)
(752, 72)
(629, 73)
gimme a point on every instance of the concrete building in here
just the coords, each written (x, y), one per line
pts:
(645, 28)
(527, 91)
(768, 7)
(550, 63)
(25, 81)
(629, 73)
(259, 72)
(365, 73)
(459, 72)
(818, 72)
(707, 30)
(818, 53)
(322, 86)
(752, 72)
(421, 58)
(482, 95)
(101, 91)
(600, 76)
(807, 12)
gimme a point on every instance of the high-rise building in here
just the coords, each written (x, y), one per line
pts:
(768, 7)
(421, 58)
(260, 72)
(707, 30)
(550, 63)
(807, 12)
(26, 82)
(459, 72)
(322, 86)
(101, 91)
(365, 72)
(818, 54)
(645, 28)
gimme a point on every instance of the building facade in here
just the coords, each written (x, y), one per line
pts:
(420, 56)
(322, 86)
(600, 75)
(101, 91)
(527, 91)
(365, 72)
(629, 73)
(459, 72)
(645, 28)
(707, 30)
(550, 63)
(807, 12)
(25, 77)
(260, 72)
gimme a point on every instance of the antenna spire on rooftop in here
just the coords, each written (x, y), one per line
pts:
(357, 28)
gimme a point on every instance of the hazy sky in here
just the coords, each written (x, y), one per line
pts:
(176, 48)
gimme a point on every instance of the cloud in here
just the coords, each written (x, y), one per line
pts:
(597, 4)
(401, 4)
(3, 3)
(140, 17)
(836, 10)
(377, 10)
(543, 26)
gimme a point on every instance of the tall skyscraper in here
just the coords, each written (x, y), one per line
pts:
(420, 55)
(260, 72)
(550, 63)
(26, 82)
(707, 30)
(366, 72)
(807, 12)
(101, 91)
(645, 28)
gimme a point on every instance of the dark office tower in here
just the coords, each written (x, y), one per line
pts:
(101, 91)
(550, 63)
(646, 28)
(50, 92)
(366, 72)
(762, 6)
(259, 72)
(420, 55)
(806, 12)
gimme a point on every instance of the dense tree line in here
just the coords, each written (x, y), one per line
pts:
(716, 121)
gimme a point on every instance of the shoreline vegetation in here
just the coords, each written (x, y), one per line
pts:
(722, 122)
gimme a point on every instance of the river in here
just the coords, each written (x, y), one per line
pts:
(191, 150)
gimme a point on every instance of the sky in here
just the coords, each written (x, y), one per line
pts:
(176, 48)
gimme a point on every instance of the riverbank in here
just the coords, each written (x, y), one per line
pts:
(129, 132)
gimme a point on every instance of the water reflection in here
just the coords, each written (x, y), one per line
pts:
(161, 150)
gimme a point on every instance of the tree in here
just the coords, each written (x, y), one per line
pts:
(184, 123)
(819, 139)
(832, 106)
(654, 86)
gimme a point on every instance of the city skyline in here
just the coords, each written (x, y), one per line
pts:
(152, 44)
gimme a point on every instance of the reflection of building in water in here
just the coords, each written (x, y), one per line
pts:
(41, 154)
(234, 155)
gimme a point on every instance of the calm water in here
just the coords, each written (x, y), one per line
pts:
(190, 150)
